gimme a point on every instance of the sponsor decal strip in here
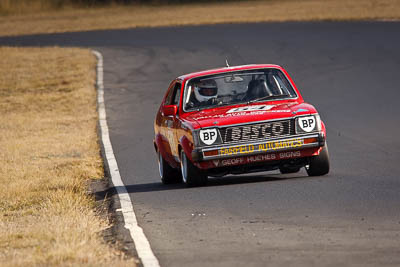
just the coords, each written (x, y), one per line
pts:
(243, 113)
(258, 158)
(265, 147)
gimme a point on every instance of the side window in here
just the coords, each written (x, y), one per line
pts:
(169, 95)
(177, 94)
(173, 95)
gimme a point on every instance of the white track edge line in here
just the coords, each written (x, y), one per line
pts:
(142, 245)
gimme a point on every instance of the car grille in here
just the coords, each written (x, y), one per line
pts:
(258, 131)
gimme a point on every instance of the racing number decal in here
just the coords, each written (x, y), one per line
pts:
(208, 136)
(307, 124)
(251, 108)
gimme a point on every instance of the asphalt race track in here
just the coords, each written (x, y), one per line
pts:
(349, 71)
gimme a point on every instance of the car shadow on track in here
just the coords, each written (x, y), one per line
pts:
(248, 179)
(223, 181)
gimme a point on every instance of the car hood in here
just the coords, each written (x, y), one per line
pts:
(223, 116)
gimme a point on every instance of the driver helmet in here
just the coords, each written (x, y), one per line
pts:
(205, 90)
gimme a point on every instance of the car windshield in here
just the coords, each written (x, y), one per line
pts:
(236, 87)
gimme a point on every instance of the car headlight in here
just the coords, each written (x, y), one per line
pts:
(307, 124)
(208, 137)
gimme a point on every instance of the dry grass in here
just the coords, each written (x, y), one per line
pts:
(28, 6)
(49, 151)
(119, 17)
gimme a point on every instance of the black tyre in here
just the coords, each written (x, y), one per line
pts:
(286, 170)
(319, 165)
(168, 174)
(191, 175)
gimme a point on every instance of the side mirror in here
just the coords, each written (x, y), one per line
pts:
(169, 110)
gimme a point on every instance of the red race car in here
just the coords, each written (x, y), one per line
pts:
(237, 120)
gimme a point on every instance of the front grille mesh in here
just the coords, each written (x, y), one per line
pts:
(257, 132)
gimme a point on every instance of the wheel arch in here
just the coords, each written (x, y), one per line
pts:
(155, 146)
(179, 150)
(187, 146)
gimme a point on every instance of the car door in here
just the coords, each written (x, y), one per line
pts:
(171, 122)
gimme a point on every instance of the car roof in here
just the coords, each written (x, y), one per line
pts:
(227, 70)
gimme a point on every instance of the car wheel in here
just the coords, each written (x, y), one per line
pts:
(319, 165)
(168, 174)
(191, 175)
(286, 170)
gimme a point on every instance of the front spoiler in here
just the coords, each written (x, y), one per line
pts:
(288, 144)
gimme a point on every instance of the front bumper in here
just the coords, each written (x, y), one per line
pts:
(297, 142)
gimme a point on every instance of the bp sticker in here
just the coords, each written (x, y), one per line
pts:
(208, 136)
(307, 124)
